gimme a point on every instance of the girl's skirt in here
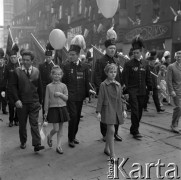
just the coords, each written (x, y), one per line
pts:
(58, 115)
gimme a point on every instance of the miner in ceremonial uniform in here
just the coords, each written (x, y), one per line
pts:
(100, 76)
(8, 75)
(76, 77)
(136, 77)
(45, 70)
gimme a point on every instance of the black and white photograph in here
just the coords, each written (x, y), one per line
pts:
(90, 89)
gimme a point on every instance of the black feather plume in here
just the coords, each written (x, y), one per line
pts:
(15, 48)
(137, 42)
(49, 47)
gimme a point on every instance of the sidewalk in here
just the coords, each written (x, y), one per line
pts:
(86, 161)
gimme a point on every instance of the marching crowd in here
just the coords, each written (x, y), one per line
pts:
(61, 90)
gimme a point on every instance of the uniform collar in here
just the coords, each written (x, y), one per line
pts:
(110, 82)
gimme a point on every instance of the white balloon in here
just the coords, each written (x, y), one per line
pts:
(108, 7)
(57, 39)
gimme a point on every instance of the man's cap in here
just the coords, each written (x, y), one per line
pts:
(109, 42)
(1, 53)
(137, 43)
(49, 49)
(74, 47)
(14, 50)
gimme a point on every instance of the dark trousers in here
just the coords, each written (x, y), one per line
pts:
(103, 128)
(12, 113)
(146, 99)
(30, 110)
(3, 102)
(155, 99)
(74, 109)
(136, 103)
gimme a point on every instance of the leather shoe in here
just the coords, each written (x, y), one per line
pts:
(38, 148)
(23, 145)
(175, 129)
(59, 150)
(5, 112)
(16, 123)
(161, 110)
(71, 144)
(137, 136)
(76, 141)
(106, 153)
(10, 124)
(117, 137)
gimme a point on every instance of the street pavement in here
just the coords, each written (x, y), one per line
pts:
(87, 161)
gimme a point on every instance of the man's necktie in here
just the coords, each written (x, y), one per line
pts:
(27, 73)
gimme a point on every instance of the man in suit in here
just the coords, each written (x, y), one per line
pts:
(100, 76)
(76, 77)
(26, 92)
(174, 89)
(45, 70)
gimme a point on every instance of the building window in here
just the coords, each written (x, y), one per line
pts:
(85, 12)
(72, 10)
(60, 12)
(179, 5)
(90, 9)
(156, 11)
(79, 6)
(138, 13)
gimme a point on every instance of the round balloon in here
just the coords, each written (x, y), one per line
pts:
(108, 7)
(57, 39)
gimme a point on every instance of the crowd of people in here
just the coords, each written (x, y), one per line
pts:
(61, 90)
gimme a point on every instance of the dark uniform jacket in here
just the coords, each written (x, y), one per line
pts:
(28, 90)
(2, 81)
(100, 75)
(76, 78)
(45, 70)
(8, 75)
(136, 77)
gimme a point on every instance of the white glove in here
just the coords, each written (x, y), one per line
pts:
(92, 92)
(3, 94)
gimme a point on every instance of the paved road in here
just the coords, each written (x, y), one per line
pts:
(87, 161)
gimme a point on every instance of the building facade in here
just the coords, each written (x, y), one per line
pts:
(158, 21)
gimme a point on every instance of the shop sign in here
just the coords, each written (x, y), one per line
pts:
(74, 31)
(150, 32)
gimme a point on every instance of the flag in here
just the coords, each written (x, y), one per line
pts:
(97, 54)
(61, 56)
(9, 43)
(38, 51)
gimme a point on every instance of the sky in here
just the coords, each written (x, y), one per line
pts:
(1, 12)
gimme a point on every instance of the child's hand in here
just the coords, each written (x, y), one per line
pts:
(57, 94)
(99, 116)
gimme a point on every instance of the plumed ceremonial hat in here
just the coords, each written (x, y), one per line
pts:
(74, 47)
(1, 53)
(49, 49)
(77, 43)
(109, 42)
(14, 50)
(137, 43)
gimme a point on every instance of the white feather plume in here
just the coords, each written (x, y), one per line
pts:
(111, 34)
(79, 40)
